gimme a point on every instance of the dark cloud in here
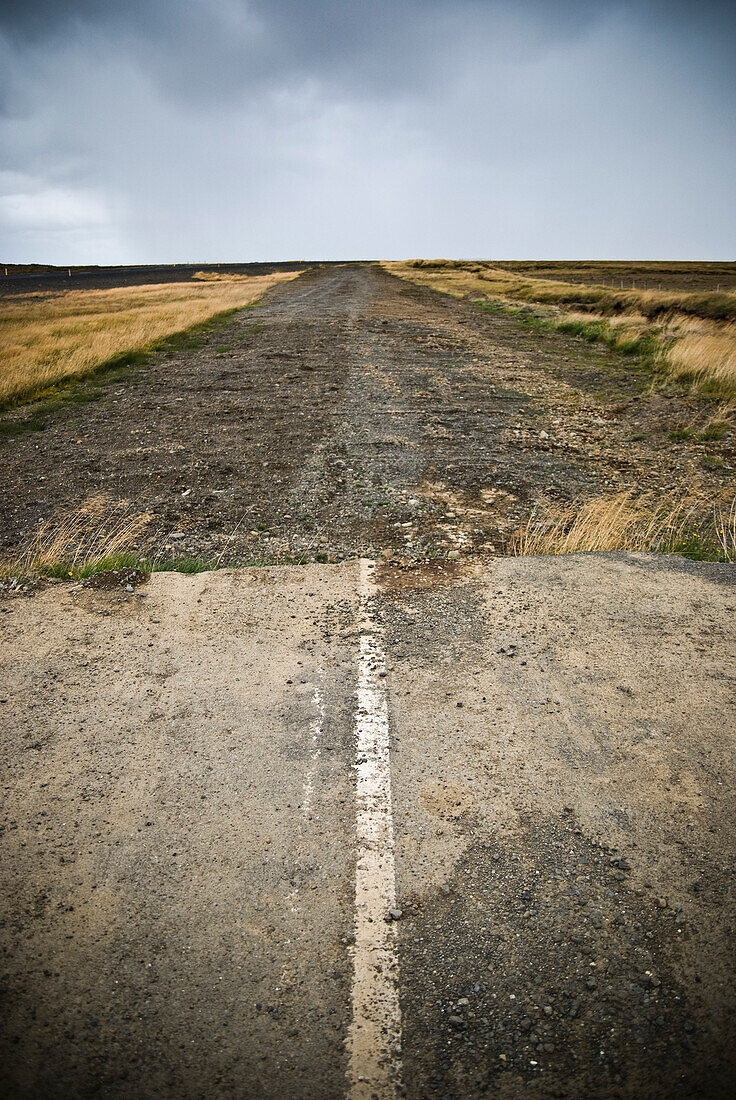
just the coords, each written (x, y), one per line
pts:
(174, 128)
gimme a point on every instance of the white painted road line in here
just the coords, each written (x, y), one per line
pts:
(315, 752)
(374, 1040)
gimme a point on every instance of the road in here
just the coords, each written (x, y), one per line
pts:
(353, 413)
(380, 826)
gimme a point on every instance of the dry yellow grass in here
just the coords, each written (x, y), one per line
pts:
(719, 306)
(621, 523)
(46, 339)
(218, 277)
(79, 540)
(104, 533)
(692, 335)
(708, 355)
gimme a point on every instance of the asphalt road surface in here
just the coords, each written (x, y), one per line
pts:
(413, 825)
(220, 790)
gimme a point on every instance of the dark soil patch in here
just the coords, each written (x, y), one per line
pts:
(116, 578)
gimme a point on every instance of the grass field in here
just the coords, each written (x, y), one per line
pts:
(47, 339)
(673, 275)
(689, 334)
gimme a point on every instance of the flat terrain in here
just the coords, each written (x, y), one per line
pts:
(439, 823)
(37, 279)
(663, 275)
(354, 412)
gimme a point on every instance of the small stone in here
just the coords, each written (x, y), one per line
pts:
(395, 914)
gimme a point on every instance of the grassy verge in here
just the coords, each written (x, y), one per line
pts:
(14, 579)
(31, 413)
(713, 305)
(47, 340)
(688, 336)
(626, 335)
(691, 529)
(103, 534)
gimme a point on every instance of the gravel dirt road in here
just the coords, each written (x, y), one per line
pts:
(353, 412)
(415, 825)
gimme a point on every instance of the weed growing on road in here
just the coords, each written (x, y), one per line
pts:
(79, 541)
(104, 534)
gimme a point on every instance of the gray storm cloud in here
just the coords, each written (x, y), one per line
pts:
(216, 129)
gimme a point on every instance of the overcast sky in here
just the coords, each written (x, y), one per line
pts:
(165, 130)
